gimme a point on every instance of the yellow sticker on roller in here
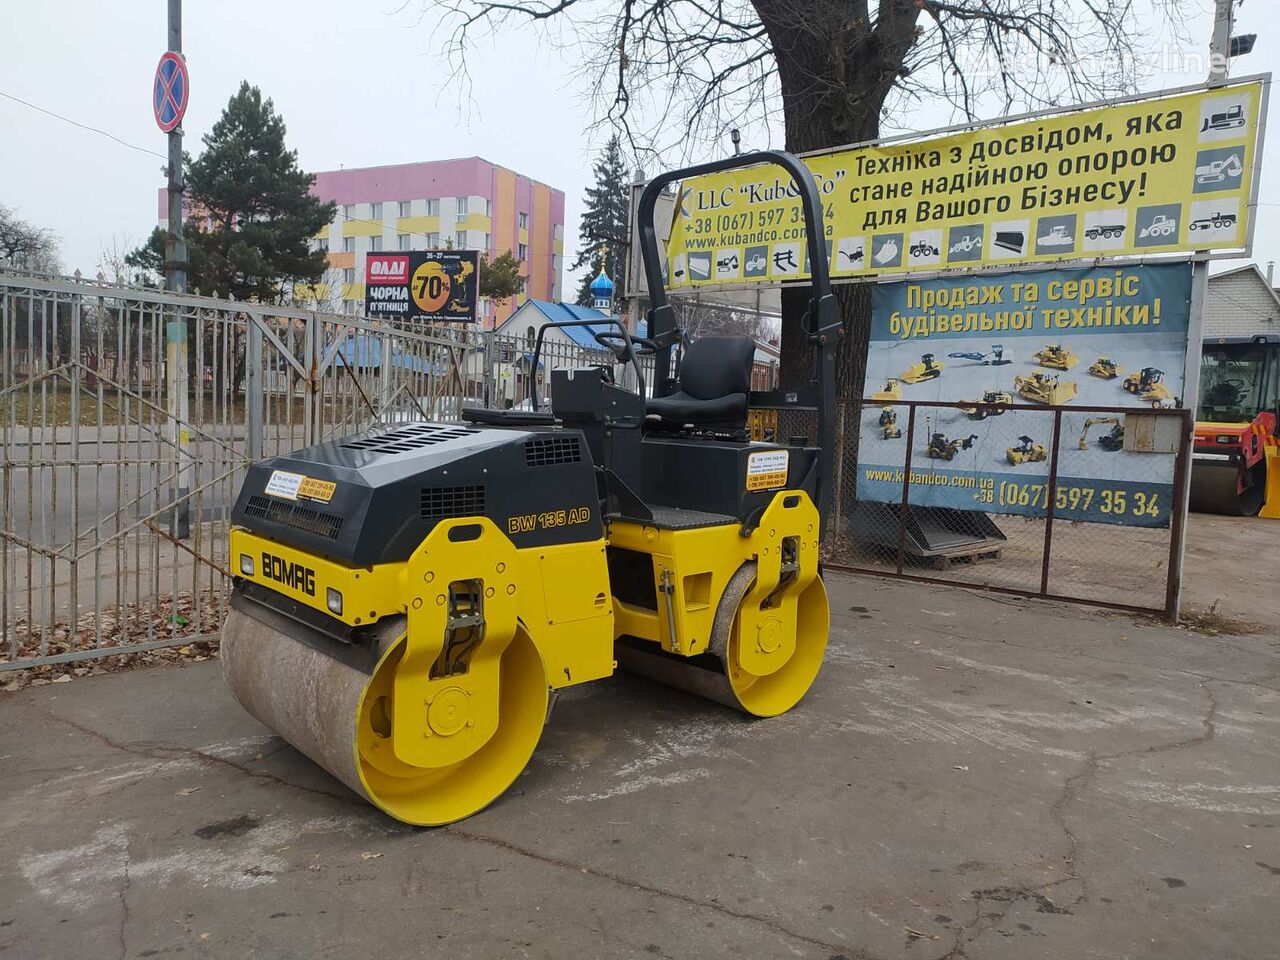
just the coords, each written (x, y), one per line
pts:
(313, 489)
(767, 469)
(292, 486)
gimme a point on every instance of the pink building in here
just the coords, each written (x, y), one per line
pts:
(469, 204)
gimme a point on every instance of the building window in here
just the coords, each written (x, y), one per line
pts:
(349, 306)
(484, 245)
(348, 244)
(433, 241)
(348, 274)
(461, 206)
(460, 240)
(524, 252)
(375, 211)
(433, 208)
(488, 207)
(524, 221)
(348, 211)
(403, 208)
(375, 244)
(403, 241)
(322, 244)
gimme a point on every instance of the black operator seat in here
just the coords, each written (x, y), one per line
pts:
(715, 379)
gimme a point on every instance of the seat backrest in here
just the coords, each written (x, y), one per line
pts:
(714, 367)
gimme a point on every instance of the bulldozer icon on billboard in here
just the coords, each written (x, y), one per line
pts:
(892, 391)
(979, 409)
(1105, 368)
(927, 369)
(1056, 357)
(1044, 388)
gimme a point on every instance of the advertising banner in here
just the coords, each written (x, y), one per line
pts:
(433, 286)
(1159, 175)
(1032, 340)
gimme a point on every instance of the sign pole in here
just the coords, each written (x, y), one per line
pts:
(1219, 56)
(177, 380)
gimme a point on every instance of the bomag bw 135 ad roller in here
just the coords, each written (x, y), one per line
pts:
(409, 599)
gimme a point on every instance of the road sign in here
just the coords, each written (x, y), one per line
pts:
(169, 94)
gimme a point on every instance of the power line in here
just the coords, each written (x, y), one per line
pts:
(82, 126)
(134, 146)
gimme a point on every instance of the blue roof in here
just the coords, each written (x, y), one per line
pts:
(560, 312)
(365, 352)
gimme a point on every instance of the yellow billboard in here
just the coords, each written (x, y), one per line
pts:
(1158, 175)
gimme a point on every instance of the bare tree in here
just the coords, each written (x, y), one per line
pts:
(26, 246)
(674, 75)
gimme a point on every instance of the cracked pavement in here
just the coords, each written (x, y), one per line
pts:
(972, 776)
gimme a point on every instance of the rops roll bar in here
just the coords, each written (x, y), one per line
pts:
(822, 322)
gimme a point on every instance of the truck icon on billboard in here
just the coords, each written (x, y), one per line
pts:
(1228, 119)
(1104, 230)
(966, 243)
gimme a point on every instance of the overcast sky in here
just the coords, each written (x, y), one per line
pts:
(357, 85)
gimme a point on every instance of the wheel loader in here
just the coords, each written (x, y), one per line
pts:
(408, 600)
(1044, 388)
(1026, 451)
(889, 429)
(940, 448)
(1056, 357)
(1147, 384)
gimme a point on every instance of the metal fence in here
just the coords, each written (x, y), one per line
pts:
(114, 512)
(1024, 534)
(116, 489)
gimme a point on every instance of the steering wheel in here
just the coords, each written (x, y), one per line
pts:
(616, 342)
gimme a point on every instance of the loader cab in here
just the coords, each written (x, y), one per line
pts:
(1239, 378)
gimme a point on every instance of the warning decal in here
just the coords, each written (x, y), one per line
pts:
(767, 469)
(284, 484)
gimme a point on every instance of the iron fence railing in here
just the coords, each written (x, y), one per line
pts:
(115, 492)
(116, 489)
(1057, 524)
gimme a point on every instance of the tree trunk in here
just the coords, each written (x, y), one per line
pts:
(835, 73)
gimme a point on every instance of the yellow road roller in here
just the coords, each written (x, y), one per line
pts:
(408, 600)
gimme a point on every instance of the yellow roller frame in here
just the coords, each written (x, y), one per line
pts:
(694, 570)
(439, 720)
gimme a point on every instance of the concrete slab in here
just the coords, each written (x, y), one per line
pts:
(971, 776)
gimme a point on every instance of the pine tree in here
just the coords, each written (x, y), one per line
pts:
(604, 222)
(252, 216)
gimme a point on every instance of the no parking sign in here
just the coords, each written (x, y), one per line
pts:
(170, 90)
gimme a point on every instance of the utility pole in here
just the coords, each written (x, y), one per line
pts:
(176, 381)
(1219, 58)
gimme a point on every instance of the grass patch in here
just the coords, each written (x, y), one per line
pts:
(1212, 623)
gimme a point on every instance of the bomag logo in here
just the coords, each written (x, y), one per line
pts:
(293, 575)
(530, 522)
